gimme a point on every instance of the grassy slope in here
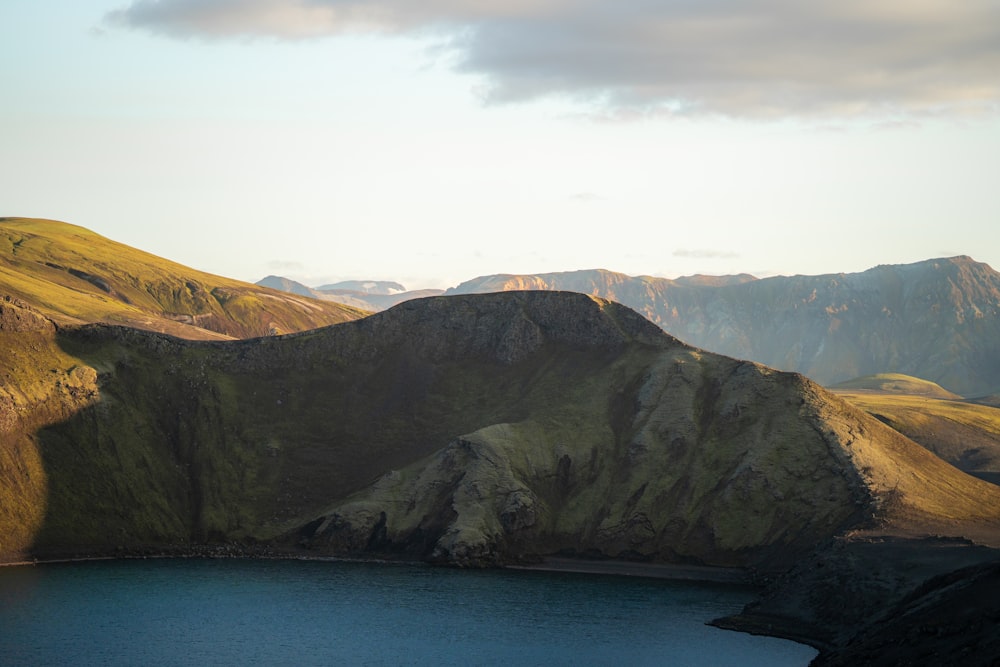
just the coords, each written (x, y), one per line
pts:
(73, 275)
(967, 435)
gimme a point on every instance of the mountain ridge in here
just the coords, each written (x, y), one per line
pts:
(938, 319)
(378, 295)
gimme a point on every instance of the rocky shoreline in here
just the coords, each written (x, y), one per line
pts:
(884, 600)
(547, 564)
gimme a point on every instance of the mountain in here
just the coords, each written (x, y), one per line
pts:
(473, 430)
(380, 287)
(73, 276)
(376, 302)
(938, 319)
(288, 285)
(368, 295)
(598, 282)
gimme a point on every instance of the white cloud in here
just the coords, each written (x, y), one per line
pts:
(737, 58)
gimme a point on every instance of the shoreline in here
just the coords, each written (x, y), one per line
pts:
(671, 571)
(668, 571)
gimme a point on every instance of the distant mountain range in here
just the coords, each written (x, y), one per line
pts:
(369, 295)
(377, 287)
(938, 319)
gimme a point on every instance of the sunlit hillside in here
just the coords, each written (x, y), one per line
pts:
(964, 433)
(75, 276)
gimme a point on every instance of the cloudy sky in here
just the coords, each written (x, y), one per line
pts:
(430, 142)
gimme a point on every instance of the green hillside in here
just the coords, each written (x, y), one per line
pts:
(474, 430)
(75, 276)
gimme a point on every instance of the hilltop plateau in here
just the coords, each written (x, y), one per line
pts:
(894, 384)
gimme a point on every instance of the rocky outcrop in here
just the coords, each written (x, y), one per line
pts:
(880, 600)
(707, 460)
(40, 385)
(950, 618)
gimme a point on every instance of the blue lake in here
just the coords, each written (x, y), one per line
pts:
(274, 612)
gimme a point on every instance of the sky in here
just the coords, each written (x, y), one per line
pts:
(432, 142)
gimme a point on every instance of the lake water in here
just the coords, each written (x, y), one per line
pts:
(247, 612)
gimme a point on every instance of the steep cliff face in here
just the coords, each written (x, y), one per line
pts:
(475, 430)
(938, 319)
